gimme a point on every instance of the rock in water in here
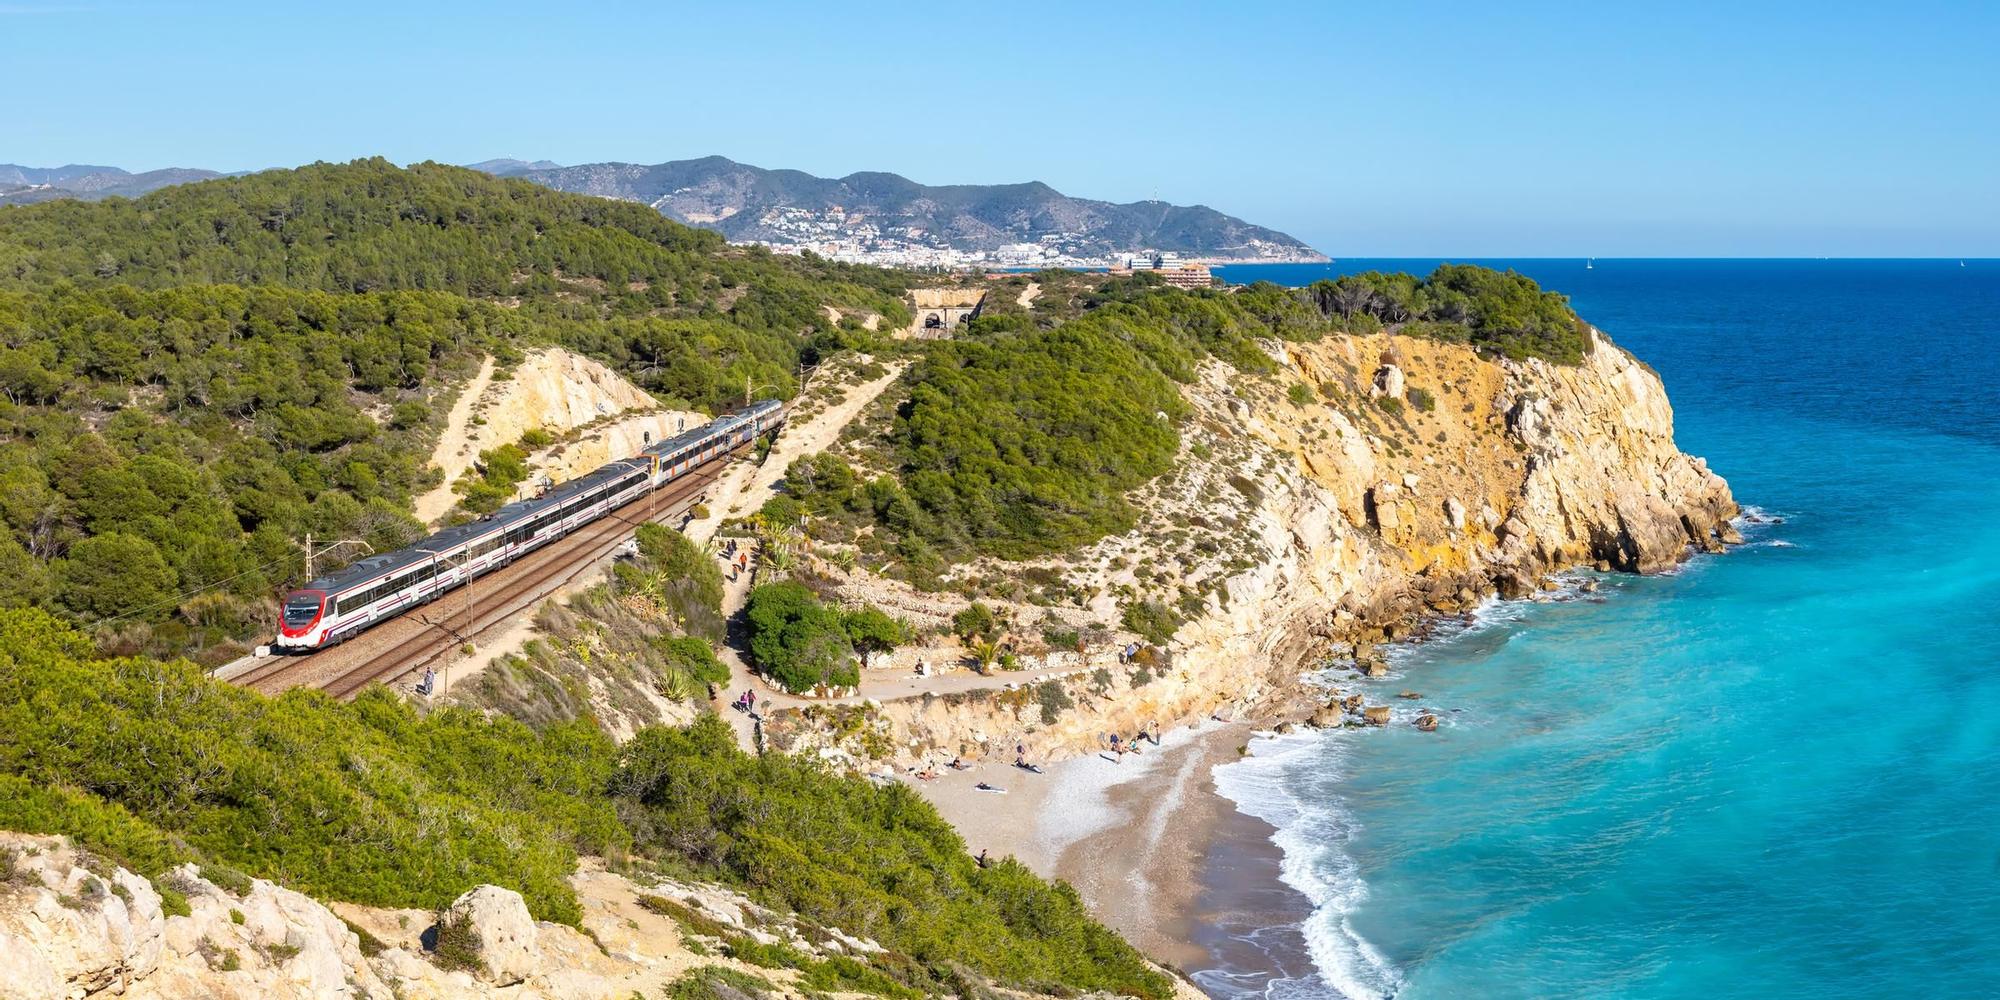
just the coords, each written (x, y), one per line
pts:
(1409, 696)
(1427, 722)
(490, 927)
(1376, 715)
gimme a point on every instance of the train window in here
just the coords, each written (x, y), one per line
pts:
(300, 610)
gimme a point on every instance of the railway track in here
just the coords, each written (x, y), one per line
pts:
(424, 634)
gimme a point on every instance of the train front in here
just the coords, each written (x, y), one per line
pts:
(303, 622)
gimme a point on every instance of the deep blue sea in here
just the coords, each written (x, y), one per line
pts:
(1775, 773)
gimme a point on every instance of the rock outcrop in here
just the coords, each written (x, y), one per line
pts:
(492, 931)
(1302, 528)
(74, 926)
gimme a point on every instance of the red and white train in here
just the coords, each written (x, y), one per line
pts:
(342, 604)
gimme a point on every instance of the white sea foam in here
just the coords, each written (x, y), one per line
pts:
(1312, 834)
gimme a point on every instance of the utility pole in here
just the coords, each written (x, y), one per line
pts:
(465, 563)
(313, 554)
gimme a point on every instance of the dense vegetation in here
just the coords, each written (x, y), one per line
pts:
(871, 860)
(805, 645)
(1504, 312)
(367, 801)
(1025, 438)
(193, 381)
(370, 802)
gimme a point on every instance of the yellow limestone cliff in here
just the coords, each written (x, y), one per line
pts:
(1373, 482)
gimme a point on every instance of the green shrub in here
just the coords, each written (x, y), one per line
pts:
(1054, 701)
(1152, 620)
(690, 920)
(976, 622)
(1300, 394)
(871, 630)
(1389, 405)
(1422, 399)
(371, 945)
(717, 982)
(227, 879)
(796, 640)
(457, 945)
(775, 955)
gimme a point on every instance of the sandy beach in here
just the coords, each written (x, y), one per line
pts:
(1133, 834)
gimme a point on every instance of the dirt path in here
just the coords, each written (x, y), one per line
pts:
(1030, 294)
(745, 488)
(453, 453)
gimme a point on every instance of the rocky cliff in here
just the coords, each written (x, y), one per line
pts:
(74, 926)
(1372, 483)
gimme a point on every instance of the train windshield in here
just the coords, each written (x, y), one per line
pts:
(301, 609)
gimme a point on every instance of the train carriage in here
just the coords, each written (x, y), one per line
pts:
(339, 605)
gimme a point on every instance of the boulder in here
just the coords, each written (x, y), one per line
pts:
(1381, 500)
(1389, 381)
(1376, 715)
(1327, 717)
(1409, 696)
(1427, 722)
(1351, 703)
(1650, 536)
(489, 927)
(1454, 513)
(1374, 668)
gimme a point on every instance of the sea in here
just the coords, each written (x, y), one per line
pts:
(1774, 773)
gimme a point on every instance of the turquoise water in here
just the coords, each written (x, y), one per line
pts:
(1775, 773)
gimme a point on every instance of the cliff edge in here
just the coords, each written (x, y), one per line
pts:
(1367, 486)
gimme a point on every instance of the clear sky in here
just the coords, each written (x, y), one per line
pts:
(1381, 128)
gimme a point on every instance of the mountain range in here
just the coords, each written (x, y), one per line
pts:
(883, 210)
(21, 185)
(869, 216)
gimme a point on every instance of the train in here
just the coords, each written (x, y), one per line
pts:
(340, 605)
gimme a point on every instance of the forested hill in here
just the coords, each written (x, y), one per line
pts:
(369, 226)
(191, 381)
(747, 203)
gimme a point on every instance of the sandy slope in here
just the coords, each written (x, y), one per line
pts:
(454, 452)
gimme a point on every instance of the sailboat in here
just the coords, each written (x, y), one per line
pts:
(1589, 263)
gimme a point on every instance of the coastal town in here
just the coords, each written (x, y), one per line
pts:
(853, 238)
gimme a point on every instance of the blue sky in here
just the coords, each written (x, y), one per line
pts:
(1493, 128)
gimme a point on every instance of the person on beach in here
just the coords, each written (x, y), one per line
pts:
(981, 859)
